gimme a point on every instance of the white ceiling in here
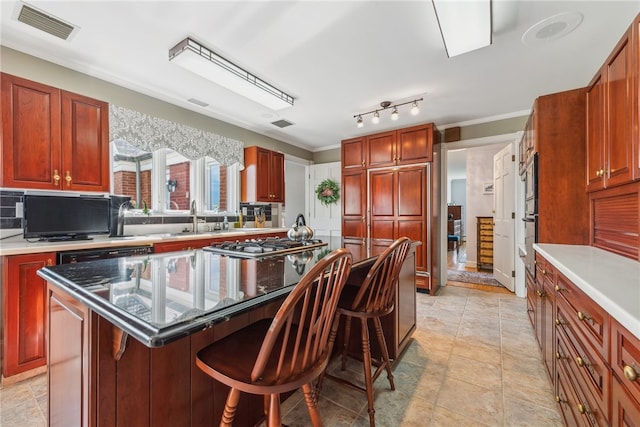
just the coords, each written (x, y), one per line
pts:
(337, 58)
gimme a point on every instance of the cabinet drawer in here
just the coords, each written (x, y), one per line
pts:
(585, 316)
(625, 358)
(485, 227)
(588, 370)
(486, 245)
(486, 260)
(486, 252)
(576, 409)
(625, 410)
(486, 235)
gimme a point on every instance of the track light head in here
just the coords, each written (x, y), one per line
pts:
(376, 118)
(394, 113)
(414, 108)
(359, 122)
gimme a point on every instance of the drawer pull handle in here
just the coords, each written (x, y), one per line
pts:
(68, 179)
(541, 294)
(559, 289)
(560, 400)
(630, 373)
(584, 316)
(559, 322)
(582, 409)
(559, 356)
(56, 177)
(580, 362)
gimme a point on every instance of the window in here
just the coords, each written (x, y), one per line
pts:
(215, 187)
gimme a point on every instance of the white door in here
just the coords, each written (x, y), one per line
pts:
(504, 212)
(324, 219)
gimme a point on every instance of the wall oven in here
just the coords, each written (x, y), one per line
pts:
(530, 219)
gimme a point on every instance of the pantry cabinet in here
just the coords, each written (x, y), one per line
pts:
(53, 139)
(262, 179)
(389, 189)
(612, 117)
(24, 312)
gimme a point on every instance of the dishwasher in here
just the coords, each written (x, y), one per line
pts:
(71, 257)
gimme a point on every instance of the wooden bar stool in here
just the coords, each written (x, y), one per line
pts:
(275, 356)
(372, 300)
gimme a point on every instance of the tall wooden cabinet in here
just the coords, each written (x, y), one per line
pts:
(387, 190)
(556, 129)
(485, 242)
(262, 179)
(53, 139)
(24, 312)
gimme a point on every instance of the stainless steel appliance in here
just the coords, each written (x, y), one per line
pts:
(530, 218)
(270, 246)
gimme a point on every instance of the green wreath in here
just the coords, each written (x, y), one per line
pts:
(328, 192)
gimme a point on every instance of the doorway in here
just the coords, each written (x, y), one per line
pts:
(476, 177)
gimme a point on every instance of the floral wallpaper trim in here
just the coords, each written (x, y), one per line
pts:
(152, 133)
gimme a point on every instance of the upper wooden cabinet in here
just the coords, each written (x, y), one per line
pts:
(400, 147)
(612, 117)
(53, 139)
(354, 153)
(262, 179)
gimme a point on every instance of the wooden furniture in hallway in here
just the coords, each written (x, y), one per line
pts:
(485, 243)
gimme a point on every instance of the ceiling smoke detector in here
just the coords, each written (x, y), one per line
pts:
(45, 22)
(552, 28)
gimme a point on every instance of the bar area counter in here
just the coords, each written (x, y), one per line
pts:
(123, 332)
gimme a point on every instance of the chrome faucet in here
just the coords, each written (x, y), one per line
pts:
(194, 213)
(124, 207)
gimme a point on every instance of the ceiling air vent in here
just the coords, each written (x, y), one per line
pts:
(281, 123)
(44, 22)
(198, 102)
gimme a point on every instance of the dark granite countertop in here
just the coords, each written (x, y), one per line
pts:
(161, 298)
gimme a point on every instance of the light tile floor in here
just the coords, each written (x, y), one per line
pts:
(473, 361)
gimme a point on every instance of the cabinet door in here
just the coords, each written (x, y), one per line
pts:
(383, 191)
(262, 175)
(595, 134)
(31, 134)
(354, 204)
(85, 143)
(276, 177)
(625, 410)
(415, 145)
(619, 101)
(353, 153)
(24, 312)
(382, 149)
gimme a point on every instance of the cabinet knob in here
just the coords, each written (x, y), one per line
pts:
(582, 409)
(559, 289)
(630, 373)
(580, 361)
(56, 177)
(68, 179)
(583, 316)
(560, 399)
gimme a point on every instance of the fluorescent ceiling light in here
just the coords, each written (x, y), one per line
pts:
(465, 25)
(200, 60)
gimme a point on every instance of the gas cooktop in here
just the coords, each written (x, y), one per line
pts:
(269, 246)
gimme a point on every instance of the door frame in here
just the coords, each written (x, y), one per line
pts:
(512, 138)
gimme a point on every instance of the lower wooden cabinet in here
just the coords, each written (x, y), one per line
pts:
(592, 360)
(24, 312)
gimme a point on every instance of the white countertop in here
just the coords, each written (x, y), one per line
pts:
(20, 246)
(611, 280)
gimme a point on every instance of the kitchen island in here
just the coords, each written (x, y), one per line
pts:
(123, 333)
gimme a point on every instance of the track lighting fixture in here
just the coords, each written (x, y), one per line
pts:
(385, 105)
